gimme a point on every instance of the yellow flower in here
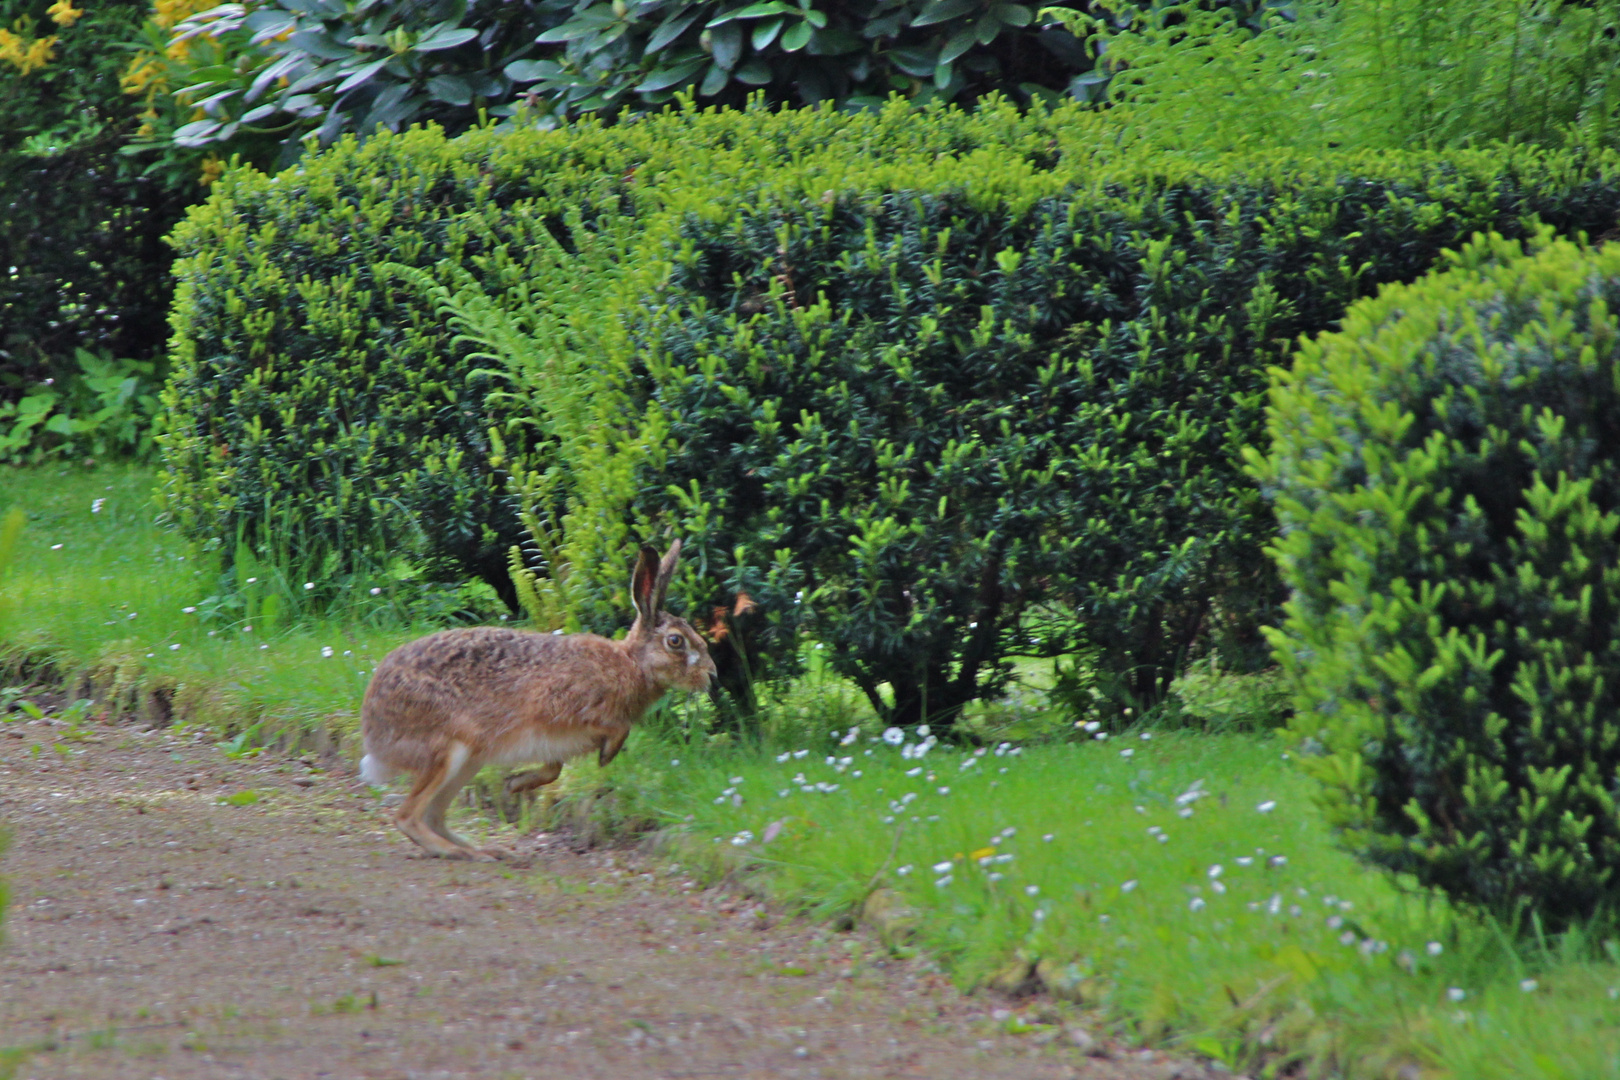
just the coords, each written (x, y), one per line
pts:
(63, 13)
(982, 853)
(212, 167)
(26, 57)
(167, 13)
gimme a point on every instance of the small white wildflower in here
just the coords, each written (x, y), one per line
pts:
(1047, 837)
(1456, 993)
(1092, 725)
(327, 650)
(801, 753)
(940, 883)
(782, 757)
(376, 590)
(1347, 938)
(995, 875)
(922, 731)
(251, 580)
(1268, 806)
(1185, 811)
(95, 506)
(1295, 910)
(894, 736)
(944, 791)
(903, 870)
(1277, 860)
(1528, 985)
(943, 867)
(1435, 948)
(1164, 838)
(915, 772)
(1101, 736)
(1196, 904)
(56, 547)
(1128, 886)
(175, 647)
(1216, 870)
(736, 780)
(247, 629)
(308, 585)
(1218, 886)
(856, 774)
(674, 762)
(1335, 921)
(1127, 752)
(1244, 860)
(188, 611)
(1146, 735)
(783, 793)
(1032, 890)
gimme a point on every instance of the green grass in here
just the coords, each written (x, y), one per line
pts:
(97, 582)
(1312, 953)
(1252, 973)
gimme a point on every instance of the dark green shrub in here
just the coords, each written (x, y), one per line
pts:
(617, 55)
(82, 259)
(978, 409)
(267, 75)
(1446, 470)
(318, 406)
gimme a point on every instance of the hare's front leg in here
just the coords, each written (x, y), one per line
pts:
(520, 783)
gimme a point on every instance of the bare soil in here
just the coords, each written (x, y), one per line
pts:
(157, 931)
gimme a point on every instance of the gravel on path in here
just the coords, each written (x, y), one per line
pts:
(179, 914)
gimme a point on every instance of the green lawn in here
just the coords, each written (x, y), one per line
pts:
(1181, 884)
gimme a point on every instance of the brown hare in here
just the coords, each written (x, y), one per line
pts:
(448, 704)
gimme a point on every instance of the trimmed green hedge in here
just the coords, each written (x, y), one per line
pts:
(318, 408)
(665, 299)
(978, 409)
(1447, 476)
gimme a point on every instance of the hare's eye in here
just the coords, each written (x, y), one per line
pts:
(675, 641)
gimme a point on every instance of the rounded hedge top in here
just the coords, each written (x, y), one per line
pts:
(1446, 471)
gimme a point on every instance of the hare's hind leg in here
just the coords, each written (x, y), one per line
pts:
(421, 816)
(433, 817)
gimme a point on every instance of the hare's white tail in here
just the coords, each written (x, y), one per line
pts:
(375, 773)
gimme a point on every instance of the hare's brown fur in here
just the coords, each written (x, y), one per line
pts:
(445, 705)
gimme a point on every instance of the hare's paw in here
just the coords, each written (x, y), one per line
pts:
(493, 853)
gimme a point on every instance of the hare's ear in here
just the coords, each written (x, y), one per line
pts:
(666, 570)
(644, 586)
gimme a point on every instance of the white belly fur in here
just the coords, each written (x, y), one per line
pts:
(536, 748)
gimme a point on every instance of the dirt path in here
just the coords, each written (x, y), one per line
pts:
(158, 932)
